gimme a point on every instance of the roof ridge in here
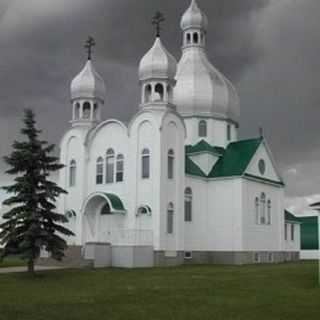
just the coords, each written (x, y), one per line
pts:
(247, 140)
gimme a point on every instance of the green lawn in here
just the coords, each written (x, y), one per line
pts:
(11, 262)
(287, 291)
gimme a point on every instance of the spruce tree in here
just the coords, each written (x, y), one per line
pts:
(32, 223)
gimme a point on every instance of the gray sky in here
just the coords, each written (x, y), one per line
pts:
(269, 49)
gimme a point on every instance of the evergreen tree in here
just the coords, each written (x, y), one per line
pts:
(32, 222)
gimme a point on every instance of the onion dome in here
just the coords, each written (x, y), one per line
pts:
(194, 18)
(201, 90)
(88, 84)
(157, 63)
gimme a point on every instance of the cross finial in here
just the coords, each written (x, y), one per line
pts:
(90, 43)
(261, 132)
(157, 19)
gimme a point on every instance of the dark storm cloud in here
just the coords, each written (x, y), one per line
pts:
(269, 49)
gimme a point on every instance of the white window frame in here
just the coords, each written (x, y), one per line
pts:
(99, 170)
(120, 168)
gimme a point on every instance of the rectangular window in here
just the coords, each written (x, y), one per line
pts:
(145, 167)
(188, 211)
(292, 232)
(286, 231)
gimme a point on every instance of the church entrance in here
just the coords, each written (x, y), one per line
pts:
(102, 214)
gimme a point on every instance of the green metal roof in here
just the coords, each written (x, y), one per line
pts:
(116, 203)
(309, 233)
(202, 147)
(193, 170)
(289, 217)
(236, 158)
(232, 161)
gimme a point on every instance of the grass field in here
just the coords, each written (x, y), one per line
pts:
(287, 291)
(11, 262)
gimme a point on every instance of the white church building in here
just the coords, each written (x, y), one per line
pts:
(174, 185)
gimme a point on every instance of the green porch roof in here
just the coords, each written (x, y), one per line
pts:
(202, 147)
(289, 217)
(116, 203)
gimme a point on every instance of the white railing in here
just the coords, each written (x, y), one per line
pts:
(127, 237)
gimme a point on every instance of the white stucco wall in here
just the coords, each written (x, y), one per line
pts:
(262, 237)
(216, 131)
(289, 244)
(270, 170)
(216, 221)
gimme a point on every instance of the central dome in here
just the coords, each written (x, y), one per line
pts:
(201, 90)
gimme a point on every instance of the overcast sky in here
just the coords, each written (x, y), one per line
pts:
(270, 50)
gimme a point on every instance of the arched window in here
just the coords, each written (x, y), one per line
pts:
(202, 128)
(170, 218)
(99, 171)
(263, 208)
(105, 209)
(188, 38)
(145, 164)
(144, 210)
(159, 92)
(77, 111)
(195, 38)
(170, 164)
(109, 166)
(72, 173)
(147, 93)
(269, 212)
(188, 205)
(257, 213)
(86, 110)
(120, 168)
(95, 111)
(228, 132)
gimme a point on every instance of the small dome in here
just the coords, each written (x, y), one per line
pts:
(201, 90)
(194, 18)
(88, 84)
(157, 63)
